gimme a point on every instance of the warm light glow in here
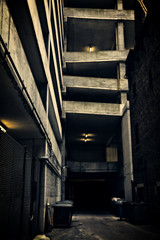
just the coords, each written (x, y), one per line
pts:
(88, 135)
(11, 124)
(2, 129)
(85, 139)
(90, 49)
(145, 10)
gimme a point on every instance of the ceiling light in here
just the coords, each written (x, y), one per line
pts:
(2, 127)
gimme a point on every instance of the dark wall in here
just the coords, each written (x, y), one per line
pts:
(143, 69)
(87, 152)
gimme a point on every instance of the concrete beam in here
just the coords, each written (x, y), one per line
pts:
(107, 14)
(93, 108)
(100, 56)
(92, 166)
(95, 83)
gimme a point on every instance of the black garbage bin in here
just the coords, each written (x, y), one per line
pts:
(63, 213)
(137, 212)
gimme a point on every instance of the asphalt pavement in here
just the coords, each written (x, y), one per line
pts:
(103, 226)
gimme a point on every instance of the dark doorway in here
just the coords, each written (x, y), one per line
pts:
(89, 194)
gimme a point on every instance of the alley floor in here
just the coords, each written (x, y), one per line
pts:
(103, 227)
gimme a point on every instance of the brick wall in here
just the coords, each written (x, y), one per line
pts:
(143, 69)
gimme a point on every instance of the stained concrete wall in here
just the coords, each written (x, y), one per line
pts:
(93, 108)
(107, 14)
(95, 83)
(46, 174)
(92, 167)
(11, 38)
(100, 56)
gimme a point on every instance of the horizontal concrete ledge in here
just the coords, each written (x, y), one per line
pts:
(92, 166)
(107, 14)
(95, 83)
(100, 56)
(93, 108)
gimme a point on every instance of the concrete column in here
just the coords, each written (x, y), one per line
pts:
(120, 45)
(63, 169)
(42, 210)
(120, 4)
(43, 179)
(65, 50)
(120, 29)
(122, 73)
(127, 153)
(120, 36)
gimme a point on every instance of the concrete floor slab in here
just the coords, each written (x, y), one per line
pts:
(102, 227)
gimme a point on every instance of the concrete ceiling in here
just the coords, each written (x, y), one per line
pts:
(94, 69)
(100, 129)
(108, 4)
(92, 95)
(100, 34)
(84, 32)
(14, 113)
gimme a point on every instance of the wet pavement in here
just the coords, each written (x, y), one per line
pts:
(103, 226)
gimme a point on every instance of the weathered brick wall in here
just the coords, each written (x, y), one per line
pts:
(143, 69)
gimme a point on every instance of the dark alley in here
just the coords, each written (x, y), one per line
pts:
(103, 226)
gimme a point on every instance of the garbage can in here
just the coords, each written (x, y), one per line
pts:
(121, 208)
(63, 213)
(137, 212)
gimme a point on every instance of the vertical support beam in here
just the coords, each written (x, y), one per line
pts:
(127, 153)
(65, 48)
(120, 45)
(122, 73)
(121, 68)
(119, 4)
(120, 36)
(43, 179)
(63, 168)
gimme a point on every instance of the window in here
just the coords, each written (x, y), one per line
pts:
(112, 154)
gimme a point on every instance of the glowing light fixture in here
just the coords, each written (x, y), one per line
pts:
(90, 48)
(2, 127)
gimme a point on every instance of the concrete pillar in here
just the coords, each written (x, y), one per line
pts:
(120, 45)
(127, 153)
(120, 36)
(42, 208)
(63, 169)
(43, 179)
(120, 4)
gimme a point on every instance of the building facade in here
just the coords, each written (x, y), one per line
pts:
(30, 110)
(64, 108)
(98, 36)
(144, 83)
